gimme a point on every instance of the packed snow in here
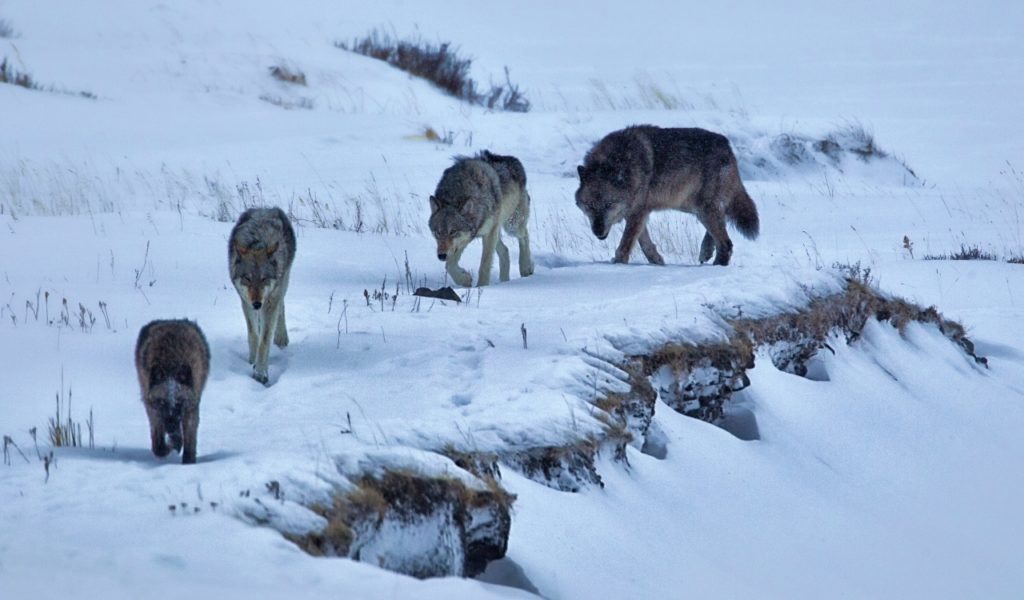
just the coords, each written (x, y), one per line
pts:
(889, 472)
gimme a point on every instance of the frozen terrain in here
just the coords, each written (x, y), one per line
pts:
(890, 471)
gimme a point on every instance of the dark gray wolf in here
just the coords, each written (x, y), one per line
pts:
(172, 360)
(261, 249)
(640, 169)
(476, 197)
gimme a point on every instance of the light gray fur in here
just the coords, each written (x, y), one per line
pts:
(261, 250)
(477, 197)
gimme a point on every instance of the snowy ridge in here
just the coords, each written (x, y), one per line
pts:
(885, 469)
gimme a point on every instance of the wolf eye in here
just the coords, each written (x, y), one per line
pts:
(246, 279)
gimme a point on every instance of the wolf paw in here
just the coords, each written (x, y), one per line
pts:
(620, 260)
(526, 270)
(260, 375)
(462, 278)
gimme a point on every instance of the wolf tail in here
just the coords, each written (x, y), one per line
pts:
(743, 214)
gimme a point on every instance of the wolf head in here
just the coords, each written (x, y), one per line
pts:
(603, 196)
(170, 393)
(614, 175)
(255, 271)
(452, 226)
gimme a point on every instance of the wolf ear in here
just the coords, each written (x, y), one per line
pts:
(582, 171)
(434, 204)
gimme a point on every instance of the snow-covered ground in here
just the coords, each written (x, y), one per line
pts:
(893, 473)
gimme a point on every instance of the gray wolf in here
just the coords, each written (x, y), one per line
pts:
(643, 168)
(261, 249)
(476, 197)
(172, 360)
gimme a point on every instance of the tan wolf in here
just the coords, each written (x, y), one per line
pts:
(476, 197)
(643, 168)
(260, 254)
(172, 360)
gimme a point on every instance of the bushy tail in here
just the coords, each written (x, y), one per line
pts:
(743, 214)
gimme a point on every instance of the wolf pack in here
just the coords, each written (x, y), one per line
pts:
(624, 177)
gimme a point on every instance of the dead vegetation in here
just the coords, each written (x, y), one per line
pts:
(966, 252)
(440, 64)
(288, 74)
(481, 519)
(12, 76)
(698, 379)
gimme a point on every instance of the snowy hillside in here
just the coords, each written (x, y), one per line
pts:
(554, 413)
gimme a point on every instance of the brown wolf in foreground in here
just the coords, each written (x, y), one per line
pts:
(261, 249)
(476, 197)
(640, 169)
(172, 360)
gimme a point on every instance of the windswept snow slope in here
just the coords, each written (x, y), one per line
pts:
(892, 474)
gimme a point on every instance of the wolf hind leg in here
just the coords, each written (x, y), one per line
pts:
(503, 259)
(157, 435)
(281, 334)
(714, 221)
(707, 247)
(281, 331)
(525, 257)
(649, 249)
(189, 430)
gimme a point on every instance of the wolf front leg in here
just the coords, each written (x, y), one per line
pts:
(266, 331)
(635, 225)
(707, 248)
(649, 249)
(459, 275)
(491, 238)
(251, 327)
(189, 430)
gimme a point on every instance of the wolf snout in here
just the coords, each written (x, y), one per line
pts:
(442, 255)
(256, 305)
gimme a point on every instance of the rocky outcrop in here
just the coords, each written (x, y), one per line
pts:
(414, 524)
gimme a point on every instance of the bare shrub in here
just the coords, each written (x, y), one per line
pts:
(972, 252)
(8, 74)
(441, 65)
(300, 103)
(288, 75)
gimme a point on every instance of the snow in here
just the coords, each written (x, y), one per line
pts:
(890, 472)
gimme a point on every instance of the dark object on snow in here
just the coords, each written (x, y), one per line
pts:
(445, 293)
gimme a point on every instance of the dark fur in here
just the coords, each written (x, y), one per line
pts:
(640, 169)
(172, 360)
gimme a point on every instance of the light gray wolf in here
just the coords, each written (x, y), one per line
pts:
(172, 360)
(476, 197)
(644, 168)
(261, 249)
